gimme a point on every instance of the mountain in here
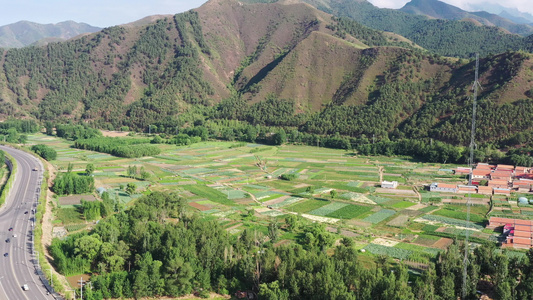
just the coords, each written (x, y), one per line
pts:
(25, 33)
(276, 64)
(440, 10)
(443, 37)
(520, 18)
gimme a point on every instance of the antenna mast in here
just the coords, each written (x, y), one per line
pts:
(471, 165)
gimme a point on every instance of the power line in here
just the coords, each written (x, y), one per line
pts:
(471, 165)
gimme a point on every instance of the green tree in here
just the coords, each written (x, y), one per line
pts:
(131, 188)
(89, 169)
(273, 230)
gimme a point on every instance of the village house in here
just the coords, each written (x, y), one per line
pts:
(463, 171)
(478, 175)
(389, 184)
(443, 187)
(466, 189)
(501, 175)
(505, 168)
(483, 166)
(501, 191)
(518, 171)
(519, 233)
(523, 185)
(485, 190)
(498, 183)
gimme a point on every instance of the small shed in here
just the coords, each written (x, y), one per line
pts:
(101, 190)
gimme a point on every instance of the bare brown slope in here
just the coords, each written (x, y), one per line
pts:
(235, 30)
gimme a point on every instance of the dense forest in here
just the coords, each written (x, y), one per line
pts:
(139, 253)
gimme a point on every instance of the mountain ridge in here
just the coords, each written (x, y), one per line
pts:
(25, 33)
(228, 59)
(441, 10)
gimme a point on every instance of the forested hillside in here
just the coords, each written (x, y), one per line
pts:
(271, 64)
(443, 37)
(440, 10)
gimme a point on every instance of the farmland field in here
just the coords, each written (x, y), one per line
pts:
(349, 212)
(221, 180)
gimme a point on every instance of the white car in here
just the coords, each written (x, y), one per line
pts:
(15, 235)
(26, 287)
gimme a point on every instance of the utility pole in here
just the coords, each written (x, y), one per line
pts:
(373, 138)
(80, 282)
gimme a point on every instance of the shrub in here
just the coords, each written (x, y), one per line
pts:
(289, 177)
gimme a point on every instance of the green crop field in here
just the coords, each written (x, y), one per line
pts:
(349, 212)
(388, 251)
(328, 209)
(403, 204)
(459, 215)
(379, 216)
(307, 206)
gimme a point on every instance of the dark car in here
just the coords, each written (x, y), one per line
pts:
(8, 240)
(6, 254)
(26, 212)
(10, 228)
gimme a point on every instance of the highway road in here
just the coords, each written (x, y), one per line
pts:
(17, 266)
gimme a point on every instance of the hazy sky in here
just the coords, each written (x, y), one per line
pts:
(100, 13)
(105, 13)
(522, 5)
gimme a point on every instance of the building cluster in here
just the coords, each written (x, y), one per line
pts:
(501, 180)
(518, 233)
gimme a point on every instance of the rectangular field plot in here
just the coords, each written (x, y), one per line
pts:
(399, 221)
(403, 204)
(308, 205)
(287, 202)
(328, 209)
(357, 197)
(388, 251)
(416, 248)
(379, 216)
(209, 193)
(379, 199)
(453, 222)
(235, 194)
(426, 240)
(458, 215)
(349, 212)
(75, 199)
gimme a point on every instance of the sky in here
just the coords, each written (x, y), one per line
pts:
(99, 13)
(468, 5)
(105, 13)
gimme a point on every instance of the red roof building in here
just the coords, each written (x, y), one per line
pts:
(480, 174)
(519, 232)
(485, 190)
(501, 175)
(498, 183)
(482, 166)
(505, 167)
